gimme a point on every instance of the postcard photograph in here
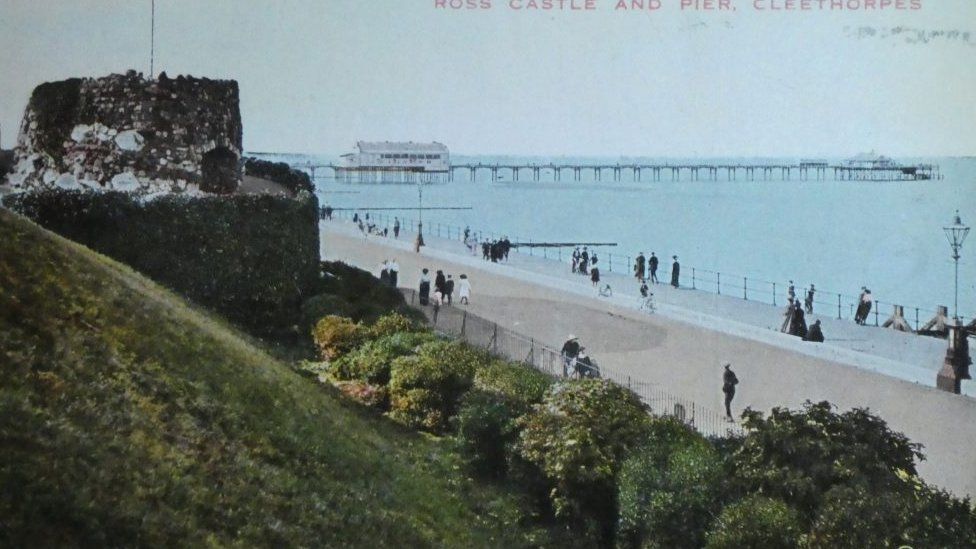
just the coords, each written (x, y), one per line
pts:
(487, 273)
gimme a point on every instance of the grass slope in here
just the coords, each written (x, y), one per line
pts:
(127, 417)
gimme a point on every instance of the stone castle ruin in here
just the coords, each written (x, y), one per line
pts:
(129, 133)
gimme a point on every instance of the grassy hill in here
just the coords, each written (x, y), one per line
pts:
(128, 417)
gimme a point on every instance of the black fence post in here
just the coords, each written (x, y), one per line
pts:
(838, 306)
(718, 283)
(464, 323)
(693, 278)
(745, 288)
(774, 295)
(877, 305)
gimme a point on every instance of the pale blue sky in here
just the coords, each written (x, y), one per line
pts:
(317, 75)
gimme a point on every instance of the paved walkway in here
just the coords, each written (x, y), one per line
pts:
(682, 348)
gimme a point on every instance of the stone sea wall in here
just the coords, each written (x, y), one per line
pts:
(124, 132)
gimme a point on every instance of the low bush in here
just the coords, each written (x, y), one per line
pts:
(335, 336)
(371, 361)
(487, 429)
(426, 389)
(374, 396)
(578, 437)
(394, 323)
(755, 521)
(522, 386)
(362, 295)
(668, 488)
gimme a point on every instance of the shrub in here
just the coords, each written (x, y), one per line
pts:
(374, 396)
(755, 521)
(393, 323)
(335, 336)
(797, 456)
(522, 386)
(487, 429)
(425, 389)
(915, 516)
(668, 488)
(281, 173)
(371, 362)
(321, 305)
(367, 298)
(578, 436)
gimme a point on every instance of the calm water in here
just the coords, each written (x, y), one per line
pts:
(839, 235)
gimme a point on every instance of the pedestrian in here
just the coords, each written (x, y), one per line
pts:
(584, 263)
(396, 227)
(485, 250)
(385, 273)
(644, 290)
(787, 318)
(652, 265)
(449, 289)
(815, 334)
(798, 323)
(570, 350)
(464, 289)
(394, 272)
(808, 301)
(355, 217)
(595, 275)
(791, 292)
(467, 231)
(328, 212)
(576, 259)
(863, 306)
(729, 381)
(424, 293)
(506, 246)
(675, 271)
(439, 282)
(639, 267)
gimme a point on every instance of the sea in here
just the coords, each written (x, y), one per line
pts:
(838, 235)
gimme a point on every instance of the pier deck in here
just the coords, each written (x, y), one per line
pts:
(536, 172)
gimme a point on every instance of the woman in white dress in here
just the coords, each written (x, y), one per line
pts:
(464, 289)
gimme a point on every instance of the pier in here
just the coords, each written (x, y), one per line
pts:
(637, 172)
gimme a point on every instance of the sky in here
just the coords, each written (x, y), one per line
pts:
(318, 75)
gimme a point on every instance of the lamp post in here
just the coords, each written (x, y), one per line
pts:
(420, 216)
(956, 234)
(955, 367)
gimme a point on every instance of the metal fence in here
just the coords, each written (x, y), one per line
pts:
(502, 342)
(826, 302)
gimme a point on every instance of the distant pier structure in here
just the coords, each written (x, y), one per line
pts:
(393, 162)
(863, 167)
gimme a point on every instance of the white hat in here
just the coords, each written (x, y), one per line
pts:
(572, 336)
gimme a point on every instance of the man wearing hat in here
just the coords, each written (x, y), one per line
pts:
(570, 351)
(729, 381)
(808, 302)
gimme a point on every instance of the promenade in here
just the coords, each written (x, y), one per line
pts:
(683, 346)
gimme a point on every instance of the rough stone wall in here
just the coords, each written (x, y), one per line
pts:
(129, 133)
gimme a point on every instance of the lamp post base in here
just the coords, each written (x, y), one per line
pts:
(955, 368)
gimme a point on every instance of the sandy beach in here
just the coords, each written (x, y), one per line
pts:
(683, 351)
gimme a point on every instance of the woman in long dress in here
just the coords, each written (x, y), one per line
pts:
(464, 289)
(424, 287)
(675, 272)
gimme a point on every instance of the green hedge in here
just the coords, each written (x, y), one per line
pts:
(252, 258)
(281, 173)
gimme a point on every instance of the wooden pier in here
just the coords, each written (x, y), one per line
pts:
(801, 171)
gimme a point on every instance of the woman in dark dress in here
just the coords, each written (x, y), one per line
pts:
(675, 272)
(424, 287)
